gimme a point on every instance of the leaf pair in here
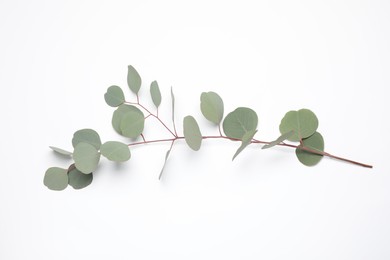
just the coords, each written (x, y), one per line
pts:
(114, 96)
(58, 178)
(128, 120)
(301, 126)
(134, 82)
(87, 143)
(211, 106)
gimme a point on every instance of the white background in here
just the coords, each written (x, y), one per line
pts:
(57, 59)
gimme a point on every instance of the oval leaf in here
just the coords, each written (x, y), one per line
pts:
(115, 151)
(86, 157)
(114, 96)
(246, 140)
(192, 133)
(60, 151)
(155, 93)
(316, 143)
(173, 107)
(303, 122)
(132, 124)
(119, 113)
(133, 79)
(211, 106)
(165, 162)
(77, 179)
(86, 136)
(239, 122)
(56, 178)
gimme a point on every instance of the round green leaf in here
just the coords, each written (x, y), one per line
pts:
(133, 79)
(316, 143)
(211, 106)
(119, 113)
(115, 151)
(192, 133)
(87, 136)
(303, 122)
(86, 157)
(56, 178)
(132, 124)
(77, 179)
(114, 96)
(239, 122)
(155, 93)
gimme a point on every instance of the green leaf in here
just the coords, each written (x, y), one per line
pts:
(173, 106)
(132, 124)
(115, 151)
(77, 179)
(56, 178)
(165, 162)
(114, 96)
(60, 151)
(133, 79)
(211, 106)
(86, 157)
(192, 133)
(87, 136)
(155, 93)
(313, 143)
(239, 122)
(119, 113)
(246, 140)
(303, 122)
(280, 139)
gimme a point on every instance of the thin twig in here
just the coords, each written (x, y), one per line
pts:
(151, 114)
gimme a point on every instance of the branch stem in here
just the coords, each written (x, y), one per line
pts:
(221, 136)
(153, 115)
(255, 141)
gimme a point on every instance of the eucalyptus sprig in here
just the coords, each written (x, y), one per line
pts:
(298, 130)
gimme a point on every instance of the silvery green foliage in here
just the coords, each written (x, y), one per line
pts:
(128, 120)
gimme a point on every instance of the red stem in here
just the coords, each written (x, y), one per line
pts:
(254, 141)
(153, 115)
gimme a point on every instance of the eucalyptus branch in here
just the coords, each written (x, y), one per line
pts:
(129, 119)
